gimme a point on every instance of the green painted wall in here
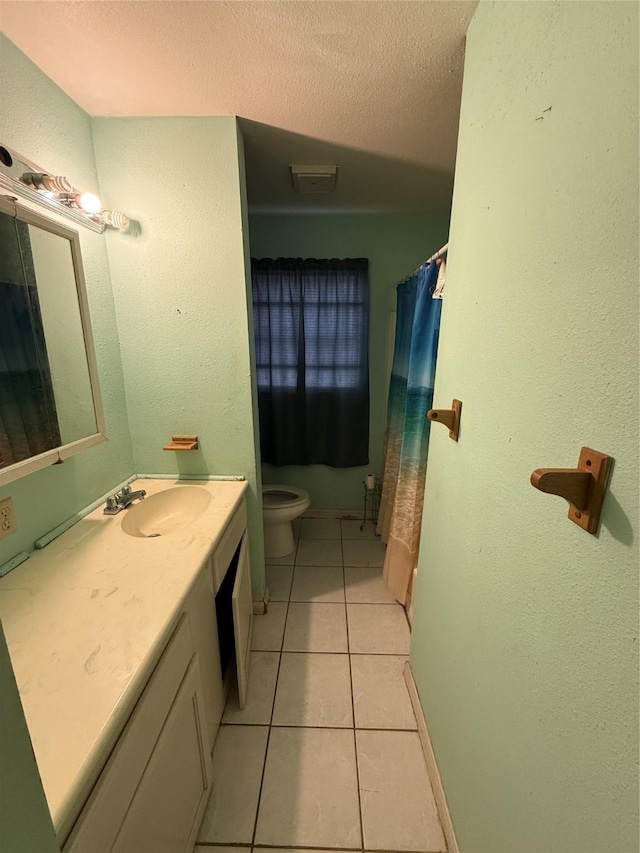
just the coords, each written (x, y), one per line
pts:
(180, 291)
(525, 641)
(395, 245)
(39, 121)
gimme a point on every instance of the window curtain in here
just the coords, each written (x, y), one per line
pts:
(28, 419)
(407, 431)
(311, 321)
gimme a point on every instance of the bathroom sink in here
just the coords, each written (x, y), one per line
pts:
(165, 512)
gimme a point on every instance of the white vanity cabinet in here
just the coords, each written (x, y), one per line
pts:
(152, 792)
(155, 784)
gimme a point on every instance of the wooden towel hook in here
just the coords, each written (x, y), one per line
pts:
(583, 487)
(449, 417)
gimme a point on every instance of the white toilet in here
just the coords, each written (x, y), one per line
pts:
(280, 505)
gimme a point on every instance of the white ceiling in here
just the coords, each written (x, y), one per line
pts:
(372, 86)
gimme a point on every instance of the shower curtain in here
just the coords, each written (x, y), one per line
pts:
(407, 431)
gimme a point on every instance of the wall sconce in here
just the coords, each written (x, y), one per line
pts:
(28, 180)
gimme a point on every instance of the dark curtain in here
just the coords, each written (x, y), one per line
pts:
(28, 420)
(311, 322)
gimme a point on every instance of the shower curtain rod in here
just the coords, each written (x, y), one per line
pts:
(438, 254)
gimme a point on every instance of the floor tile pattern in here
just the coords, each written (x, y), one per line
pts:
(325, 756)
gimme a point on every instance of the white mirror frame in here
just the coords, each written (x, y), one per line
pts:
(58, 454)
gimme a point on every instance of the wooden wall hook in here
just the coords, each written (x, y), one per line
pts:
(449, 417)
(583, 487)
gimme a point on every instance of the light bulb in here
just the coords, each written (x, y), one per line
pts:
(116, 219)
(89, 202)
(50, 183)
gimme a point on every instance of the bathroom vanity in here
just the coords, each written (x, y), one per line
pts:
(113, 637)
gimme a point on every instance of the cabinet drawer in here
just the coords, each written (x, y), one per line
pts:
(227, 545)
(102, 816)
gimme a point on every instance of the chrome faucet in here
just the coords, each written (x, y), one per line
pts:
(121, 500)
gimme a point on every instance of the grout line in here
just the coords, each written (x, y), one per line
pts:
(337, 849)
(238, 845)
(331, 728)
(357, 654)
(339, 601)
(353, 706)
(298, 847)
(273, 705)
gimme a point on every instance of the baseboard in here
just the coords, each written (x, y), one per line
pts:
(432, 765)
(354, 514)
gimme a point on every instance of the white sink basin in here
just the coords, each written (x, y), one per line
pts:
(165, 512)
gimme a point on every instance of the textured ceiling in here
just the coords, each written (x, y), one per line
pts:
(373, 87)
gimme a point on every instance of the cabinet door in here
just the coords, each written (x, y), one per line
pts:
(97, 827)
(167, 808)
(243, 619)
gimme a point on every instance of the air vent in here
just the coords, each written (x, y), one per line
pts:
(314, 179)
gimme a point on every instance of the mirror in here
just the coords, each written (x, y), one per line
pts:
(49, 398)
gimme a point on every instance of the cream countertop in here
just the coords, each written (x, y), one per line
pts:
(86, 619)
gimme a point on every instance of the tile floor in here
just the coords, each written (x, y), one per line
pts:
(326, 753)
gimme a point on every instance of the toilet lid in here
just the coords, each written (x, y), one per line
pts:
(279, 497)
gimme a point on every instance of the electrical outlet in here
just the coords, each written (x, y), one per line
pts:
(7, 518)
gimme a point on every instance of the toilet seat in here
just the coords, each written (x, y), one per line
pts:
(282, 497)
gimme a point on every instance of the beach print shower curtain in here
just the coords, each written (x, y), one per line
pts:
(407, 432)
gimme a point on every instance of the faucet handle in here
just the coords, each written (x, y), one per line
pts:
(111, 507)
(126, 490)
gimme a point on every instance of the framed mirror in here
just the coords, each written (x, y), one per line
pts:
(50, 406)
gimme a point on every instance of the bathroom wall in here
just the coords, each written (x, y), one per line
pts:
(180, 291)
(525, 633)
(395, 245)
(39, 121)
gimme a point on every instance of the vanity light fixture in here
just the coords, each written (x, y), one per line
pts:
(29, 181)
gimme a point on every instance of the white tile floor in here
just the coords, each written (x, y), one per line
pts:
(325, 754)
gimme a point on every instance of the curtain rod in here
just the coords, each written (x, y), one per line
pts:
(438, 254)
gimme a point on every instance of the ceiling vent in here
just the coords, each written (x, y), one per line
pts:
(314, 179)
